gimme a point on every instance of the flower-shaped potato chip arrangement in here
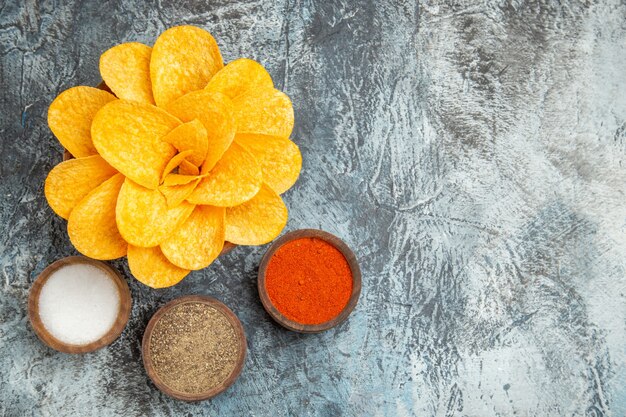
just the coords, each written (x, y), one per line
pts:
(185, 154)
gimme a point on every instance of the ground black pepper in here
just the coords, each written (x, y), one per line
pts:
(193, 348)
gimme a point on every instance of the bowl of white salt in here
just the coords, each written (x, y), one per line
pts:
(78, 305)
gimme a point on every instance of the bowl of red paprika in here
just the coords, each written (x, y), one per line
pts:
(309, 281)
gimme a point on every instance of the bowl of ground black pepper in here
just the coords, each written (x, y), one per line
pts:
(309, 281)
(194, 348)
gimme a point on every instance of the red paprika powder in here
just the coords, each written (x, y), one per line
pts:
(309, 281)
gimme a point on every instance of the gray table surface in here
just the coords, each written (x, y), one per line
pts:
(472, 154)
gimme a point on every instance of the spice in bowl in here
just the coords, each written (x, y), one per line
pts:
(309, 280)
(78, 305)
(194, 348)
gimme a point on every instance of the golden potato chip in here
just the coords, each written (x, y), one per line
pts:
(216, 113)
(70, 181)
(152, 268)
(198, 241)
(70, 116)
(187, 168)
(280, 159)
(176, 194)
(179, 179)
(175, 162)
(184, 58)
(128, 136)
(125, 69)
(91, 226)
(190, 136)
(265, 111)
(143, 217)
(239, 76)
(257, 221)
(235, 179)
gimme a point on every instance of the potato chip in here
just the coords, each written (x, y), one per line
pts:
(216, 113)
(175, 162)
(265, 111)
(239, 76)
(152, 268)
(280, 159)
(176, 194)
(198, 241)
(187, 168)
(125, 69)
(184, 58)
(70, 116)
(190, 136)
(91, 226)
(179, 179)
(128, 136)
(257, 221)
(70, 181)
(143, 217)
(235, 179)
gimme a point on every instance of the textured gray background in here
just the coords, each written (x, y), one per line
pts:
(472, 154)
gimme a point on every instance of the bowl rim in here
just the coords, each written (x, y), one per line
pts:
(109, 337)
(354, 268)
(224, 385)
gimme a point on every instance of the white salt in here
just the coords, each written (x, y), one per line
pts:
(78, 304)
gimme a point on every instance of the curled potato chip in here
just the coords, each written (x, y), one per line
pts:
(264, 110)
(70, 181)
(91, 226)
(235, 179)
(143, 217)
(128, 136)
(152, 268)
(125, 69)
(197, 243)
(239, 76)
(216, 113)
(179, 179)
(70, 116)
(184, 58)
(280, 159)
(176, 194)
(187, 168)
(192, 137)
(175, 162)
(257, 221)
